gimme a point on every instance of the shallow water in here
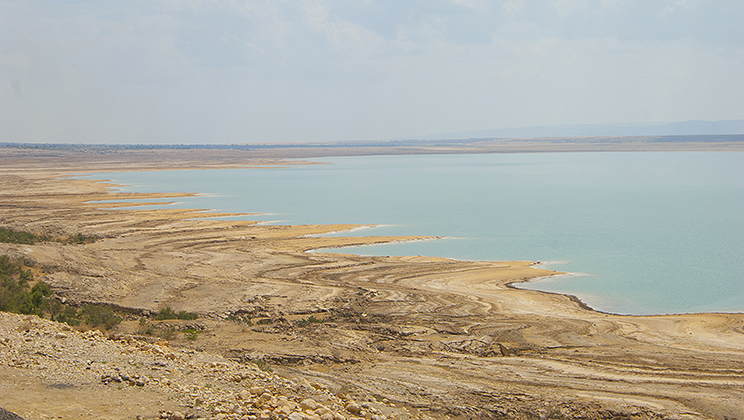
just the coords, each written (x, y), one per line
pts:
(646, 232)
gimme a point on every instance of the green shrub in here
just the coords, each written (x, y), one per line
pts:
(15, 295)
(99, 315)
(78, 239)
(17, 237)
(168, 313)
(239, 319)
(311, 320)
(191, 334)
(70, 316)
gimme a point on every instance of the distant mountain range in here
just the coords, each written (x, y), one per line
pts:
(591, 130)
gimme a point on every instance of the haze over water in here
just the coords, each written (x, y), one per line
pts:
(645, 232)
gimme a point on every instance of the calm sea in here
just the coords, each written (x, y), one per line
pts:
(643, 233)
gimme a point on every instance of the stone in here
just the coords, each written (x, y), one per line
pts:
(309, 404)
(283, 409)
(244, 395)
(267, 398)
(257, 390)
(353, 407)
(177, 416)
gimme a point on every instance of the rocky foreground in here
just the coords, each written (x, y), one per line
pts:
(87, 375)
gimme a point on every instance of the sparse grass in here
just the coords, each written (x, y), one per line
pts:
(311, 320)
(168, 333)
(20, 237)
(554, 413)
(191, 334)
(240, 319)
(145, 328)
(263, 365)
(79, 239)
(168, 313)
(13, 236)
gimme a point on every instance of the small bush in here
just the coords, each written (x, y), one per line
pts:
(168, 333)
(96, 315)
(144, 328)
(70, 316)
(311, 320)
(191, 334)
(168, 313)
(79, 239)
(263, 365)
(247, 319)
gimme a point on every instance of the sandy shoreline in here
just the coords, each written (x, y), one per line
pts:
(451, 338)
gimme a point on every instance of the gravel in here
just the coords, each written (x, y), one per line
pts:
(195, 384)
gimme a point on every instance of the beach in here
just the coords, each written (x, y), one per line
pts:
(445, 338)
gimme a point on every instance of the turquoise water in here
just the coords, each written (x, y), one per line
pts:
(644, 233)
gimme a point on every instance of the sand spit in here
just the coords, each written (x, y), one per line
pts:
(438, 337)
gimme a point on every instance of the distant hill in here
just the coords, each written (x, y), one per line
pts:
(590, 130)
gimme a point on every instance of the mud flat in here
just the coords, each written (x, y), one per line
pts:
(442, 338)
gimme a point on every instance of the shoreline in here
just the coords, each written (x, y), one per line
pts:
(451, 337)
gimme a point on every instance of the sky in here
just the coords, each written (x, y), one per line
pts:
(213, 71)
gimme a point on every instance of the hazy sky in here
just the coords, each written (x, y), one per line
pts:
(211, 71)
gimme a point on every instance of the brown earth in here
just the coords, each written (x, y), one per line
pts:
(443, 337)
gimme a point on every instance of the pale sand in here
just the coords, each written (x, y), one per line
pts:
(443, 335)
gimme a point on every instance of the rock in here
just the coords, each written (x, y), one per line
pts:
(326, 416)
(296, 416)
(244, 395)
(257, 390)
(309, 404)
(337, 416)
(267, 398)
(353, 408)
(177, 416)
(283, 409)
